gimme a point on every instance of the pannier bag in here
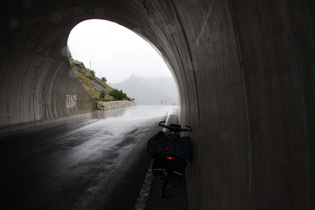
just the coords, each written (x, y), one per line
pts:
(177, 146)
(158, 164)
(179, 166)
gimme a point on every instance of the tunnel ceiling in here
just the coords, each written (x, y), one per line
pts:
(37, 20)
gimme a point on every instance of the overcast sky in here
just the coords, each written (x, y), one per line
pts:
(114, 51)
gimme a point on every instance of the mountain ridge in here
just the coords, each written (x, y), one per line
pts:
(149, 90)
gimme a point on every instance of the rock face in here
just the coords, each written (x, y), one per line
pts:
(93, 85)
(114, 104)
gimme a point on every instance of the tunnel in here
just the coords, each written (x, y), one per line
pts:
(246, 77)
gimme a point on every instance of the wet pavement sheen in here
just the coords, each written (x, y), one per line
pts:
(91, 163)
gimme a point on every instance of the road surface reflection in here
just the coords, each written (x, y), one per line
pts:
(79, 164)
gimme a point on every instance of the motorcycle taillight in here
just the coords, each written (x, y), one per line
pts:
(169, 157)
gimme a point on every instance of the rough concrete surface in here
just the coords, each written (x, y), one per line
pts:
(245, 72)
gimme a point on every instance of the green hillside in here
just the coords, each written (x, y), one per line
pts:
(94, 85)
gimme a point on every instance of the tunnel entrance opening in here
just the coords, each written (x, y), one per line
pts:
(110, 59)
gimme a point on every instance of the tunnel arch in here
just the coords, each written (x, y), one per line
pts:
(245, 71)
(44, 32)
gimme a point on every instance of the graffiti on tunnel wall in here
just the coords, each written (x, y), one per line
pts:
(71, 101)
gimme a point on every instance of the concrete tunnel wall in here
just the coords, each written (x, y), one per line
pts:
(245, 71)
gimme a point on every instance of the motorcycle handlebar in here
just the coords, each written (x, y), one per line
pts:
(160, 124)
(188, 128)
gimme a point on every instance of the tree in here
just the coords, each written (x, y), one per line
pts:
(119, 95)
(104, 79)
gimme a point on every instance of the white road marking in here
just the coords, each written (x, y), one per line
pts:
(144, 192)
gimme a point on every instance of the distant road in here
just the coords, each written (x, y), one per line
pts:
(96, 163)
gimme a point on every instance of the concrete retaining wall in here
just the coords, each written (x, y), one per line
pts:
(34, 87)
(114, 105)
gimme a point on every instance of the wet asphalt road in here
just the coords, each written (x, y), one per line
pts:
(96, 162)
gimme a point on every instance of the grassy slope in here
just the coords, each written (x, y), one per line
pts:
(90, 82)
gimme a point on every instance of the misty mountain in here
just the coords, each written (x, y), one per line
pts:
(149, 91)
